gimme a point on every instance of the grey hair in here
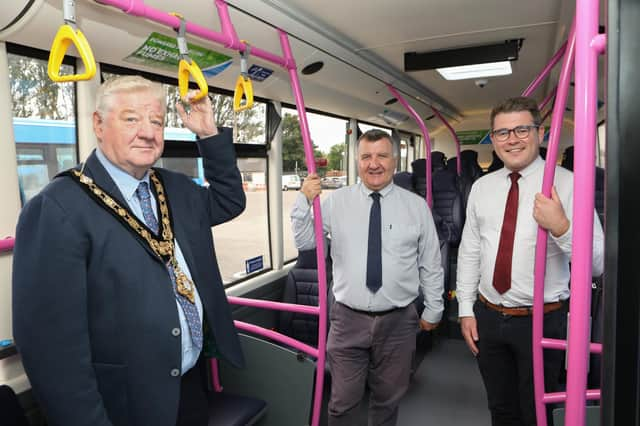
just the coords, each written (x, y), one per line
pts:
(374, 135)
(127, 84)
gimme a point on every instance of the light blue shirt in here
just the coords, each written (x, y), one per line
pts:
(410, 248)
(127, 185)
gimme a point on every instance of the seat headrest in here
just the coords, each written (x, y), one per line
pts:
(419, 167)
(496, 162)
(469, 163)
(307, 259)
(567, 158)
(438, 160)
(403, 180)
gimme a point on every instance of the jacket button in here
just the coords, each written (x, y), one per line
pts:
(175, 372)
(175, 331)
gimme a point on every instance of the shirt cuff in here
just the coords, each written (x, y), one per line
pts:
(563, 240)
(465, 309)
(430, 316)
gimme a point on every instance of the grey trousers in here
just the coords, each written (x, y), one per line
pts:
(369, 349)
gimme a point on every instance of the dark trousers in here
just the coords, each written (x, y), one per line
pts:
(194, 405)
(506, 363)
(369, 349)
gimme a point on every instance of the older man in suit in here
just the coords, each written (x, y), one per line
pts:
(116, 290)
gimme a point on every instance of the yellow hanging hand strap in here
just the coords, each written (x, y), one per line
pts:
(244, 88)
(66, 35)
(187, 67)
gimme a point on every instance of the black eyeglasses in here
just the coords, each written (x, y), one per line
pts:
(521, 132)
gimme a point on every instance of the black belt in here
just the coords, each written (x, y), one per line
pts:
(371, 313)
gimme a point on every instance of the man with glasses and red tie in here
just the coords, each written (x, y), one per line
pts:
(496, 262)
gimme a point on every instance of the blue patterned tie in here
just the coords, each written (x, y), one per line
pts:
(374, 252)
(189, 309)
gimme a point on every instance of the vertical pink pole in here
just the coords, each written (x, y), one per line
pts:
(585, 97)
(455, 138)
(427, 140)
(322, 278)
(541, 241)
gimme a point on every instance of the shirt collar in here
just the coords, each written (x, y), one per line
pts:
(126, 183)
(529, 170)
(383, 192)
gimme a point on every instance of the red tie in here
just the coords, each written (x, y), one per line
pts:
(502, 272)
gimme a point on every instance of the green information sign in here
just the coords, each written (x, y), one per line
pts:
(161, 51)
(473, 137)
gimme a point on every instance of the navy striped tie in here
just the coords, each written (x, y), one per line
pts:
(374, 252)
(190, 310)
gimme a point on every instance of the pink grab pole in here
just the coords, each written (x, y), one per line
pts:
(427, 140)
(541, 242)
(455, 138)
(586, 93)
(322, 276)
(7, 244)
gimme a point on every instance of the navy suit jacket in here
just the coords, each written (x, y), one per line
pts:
(94, 308)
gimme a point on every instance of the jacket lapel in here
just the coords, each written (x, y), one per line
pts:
(94, 169)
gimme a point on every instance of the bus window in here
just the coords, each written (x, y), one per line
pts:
(329, 141)
(43, 123)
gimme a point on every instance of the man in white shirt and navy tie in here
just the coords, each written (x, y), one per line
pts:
(384, 248)
(496, 262)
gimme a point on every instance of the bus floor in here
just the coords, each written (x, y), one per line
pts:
(446, 389)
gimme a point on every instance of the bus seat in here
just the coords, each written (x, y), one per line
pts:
(470, 172)
(447, 199)
(452, 164)
(438, 161)
(404, 180)
(543, 152)
(235, 410)
(469, 164)
(496, 163)
(599, 193)
(302, 288)
(567, 158)
(567, 163)
(12, 412)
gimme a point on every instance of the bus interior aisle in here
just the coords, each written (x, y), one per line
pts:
(446, 389)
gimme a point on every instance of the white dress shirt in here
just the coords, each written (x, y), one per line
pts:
(410, 248)
(481, 236)
(127, 185)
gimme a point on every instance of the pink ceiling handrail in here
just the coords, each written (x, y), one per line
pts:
(541, 241)
(427, 140)
(7, 244)
(227, 37)
(455, 138)
(585, 96)
(546, 70)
